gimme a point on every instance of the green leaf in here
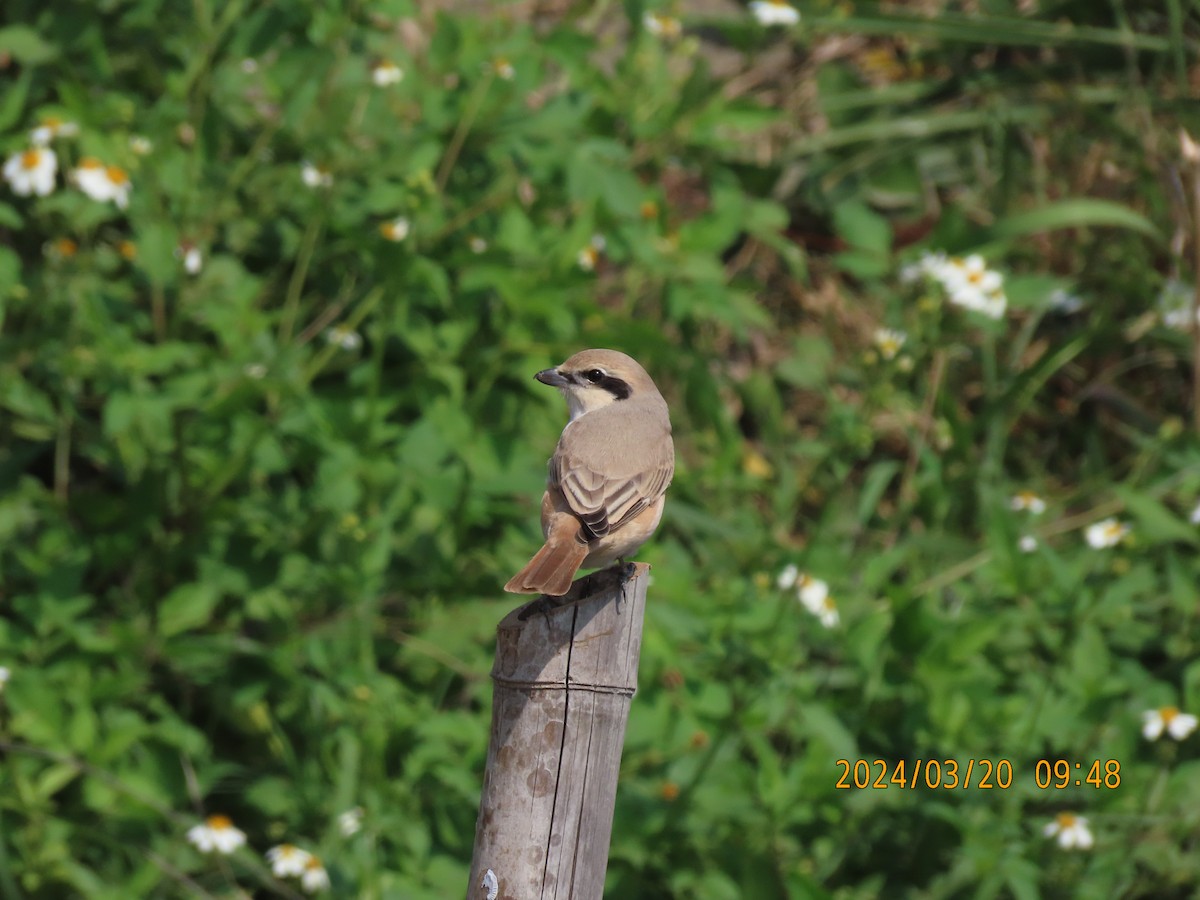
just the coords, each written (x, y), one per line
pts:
(1079, 212)
(25, 45)
(187, 607)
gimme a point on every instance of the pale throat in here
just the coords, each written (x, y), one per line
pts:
(580, 402)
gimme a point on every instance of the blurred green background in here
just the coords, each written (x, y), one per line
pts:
(270, 445)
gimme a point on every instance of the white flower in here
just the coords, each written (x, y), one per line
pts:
(5, 675)
(141, 146)
(967, 282)
(315, 878)
(1194, 518)
(889, 341)
(101, 182)
(350, 822)
(31, 172)
(590, 255)
(814, 596)
(288, 861)
(217, 833)
(51, 128)
(255, 370)
(774, 12)
(1071, 830)
(1028, 543)
(1106, 533)
(1027, 501)
(315, 176)
(344, 337)
(503, 69)
(1177, 724)
(787, 578)
(662, 25)
(477, 244)
(395, 229)
(193, 259)
(386, 72)
(1175, 304)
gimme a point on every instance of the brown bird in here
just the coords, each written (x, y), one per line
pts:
(609, 473)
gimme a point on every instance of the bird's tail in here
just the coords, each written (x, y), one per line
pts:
(552, 568)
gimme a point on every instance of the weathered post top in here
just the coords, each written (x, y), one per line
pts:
(564, 678)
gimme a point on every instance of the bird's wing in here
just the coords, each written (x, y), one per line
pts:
(603, 503)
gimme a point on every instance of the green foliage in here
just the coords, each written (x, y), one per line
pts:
(267, 452)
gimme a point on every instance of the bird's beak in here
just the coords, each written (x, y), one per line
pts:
(552, 377)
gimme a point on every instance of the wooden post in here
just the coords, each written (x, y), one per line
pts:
(564, 679)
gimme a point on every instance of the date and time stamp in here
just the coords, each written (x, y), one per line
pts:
(978, 774)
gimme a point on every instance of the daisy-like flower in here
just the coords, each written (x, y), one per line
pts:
(350, 822)
(967, 282)
(930, 265)
(774, 12)
(1071, 830)
(972, 285)
(1169, 719)
(128, 250)
(1175, 304)
(396, 229)
(193, 259)
(663, 26)
(786, 579)
(217, 833)
(141, 146)
(31, 172)
(315, 176)
(1028, 543)
(503, 69)
(386, 72)
(1027, 501)
(814, 596)
(315, 878)
(50, 128)
(288, 861)
(477, 244)
(346, 338)
(101, 182)
(590, 255)
(889, 341)
(257, 371)
(1106, 533)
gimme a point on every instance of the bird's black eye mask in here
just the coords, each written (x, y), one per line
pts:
(601, 379)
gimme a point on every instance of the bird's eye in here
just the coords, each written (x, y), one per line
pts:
(595, 376)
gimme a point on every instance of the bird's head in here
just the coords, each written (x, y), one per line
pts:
(593, 379)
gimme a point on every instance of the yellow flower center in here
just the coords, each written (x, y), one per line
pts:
(828, 604)
(117, 175)
(1168, 713)
(30, 159)
(1112, 530)
(127, 249)
(90, 163)
(219, 822)
(312, 862)
(66, 246)
(1066, 820)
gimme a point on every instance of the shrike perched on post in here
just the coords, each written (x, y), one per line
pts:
(608, 475)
